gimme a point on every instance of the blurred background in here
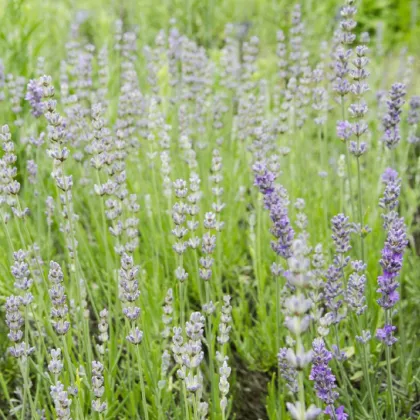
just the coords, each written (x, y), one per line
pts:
(30, 28)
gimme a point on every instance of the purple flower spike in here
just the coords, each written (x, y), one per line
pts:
(344, 130)
(264, 179)
(391, 262)
(389, 175)
(391, 120)
(276, 201)
(321, 374)
(385, 334)
(339, 413)
(341, 233)
(34, 97)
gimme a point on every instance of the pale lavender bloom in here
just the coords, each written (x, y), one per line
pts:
(414, 112)
(355, 293)
(365, 337)
(344, 130)
(98, 387)
(296, 31)
(167, 314)
(34, 96)
(16, 87)
(59, 310)
(341, 84)
(135, 336)
(189, 355)
(103, 337)
(15, 321)
(225, 321)
(20, 271)
(341, 233)
(55, 366)
(281, 52)
(14, 318)
(276, 201)
(32, 169)
(391, 120)
(413, 120)
(61, 401)
(333, 290)
(358, 110)
(390, 200)
(347, 23)
(287, 370)
(324, 379)
(224, 372)
(385, 334)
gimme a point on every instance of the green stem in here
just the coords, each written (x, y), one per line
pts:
(365, 368)
(278, 329)
(211, 353)
(343, 115)
(389, 372)
(142, 386)
(359, 186)
(343, 375)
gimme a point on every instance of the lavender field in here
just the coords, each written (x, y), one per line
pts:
(209, 209)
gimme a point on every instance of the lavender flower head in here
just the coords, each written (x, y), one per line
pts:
(389, 201)
(341, 233)
(391, 263)
(385, 334)
(413, 120)
(34, 95)
(391, 120)
(355, 293)
(338, 414)
(344, 130)
(324, 379)
(276, 201)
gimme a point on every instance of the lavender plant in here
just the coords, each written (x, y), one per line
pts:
(215, 298)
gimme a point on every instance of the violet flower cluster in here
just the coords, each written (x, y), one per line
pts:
(391, 263)
(276, 201)
(391, 120)
(324, 380)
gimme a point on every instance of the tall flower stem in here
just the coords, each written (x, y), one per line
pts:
(366, 375)
(211, 351)
(343, 375)
(301, 384)
(142, 386)
(278, 326)
(359, 186)
(343, 116)
(389, 372)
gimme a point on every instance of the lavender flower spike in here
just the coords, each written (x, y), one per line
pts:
(392, 118)
(276, 201)
(34, 95)
(341, 233)
(391, 262)
(325, 382)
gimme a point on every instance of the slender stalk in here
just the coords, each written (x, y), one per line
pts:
(343, 116)
(142, 386)
(359, 186)
(366, 375)
(389, 373)
(211, 353)
(278, 327)
(343, 375)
